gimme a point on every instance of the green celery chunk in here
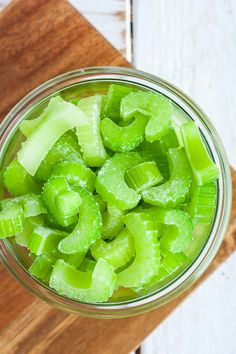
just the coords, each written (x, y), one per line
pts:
(66, 149)
(143, 176)
(18, 181)
(155, 106)
(112, 222)
(71, 200)
(89, 134)
(118, 252)
(74, 259)
(60, 116)
(87, 265)
(178, 228)
(96, 286)
(112, 102)
(174, 191)
(88, 228)
(32, 205)
(110, 183)
(204, 169)
(202, 205)
(101, 203)
(169, 140)
(120, 139)
(28, 126)
(44, 240)
(23, 237)
(75, 173)
(12, 220)
(42, 266)
(146, 263)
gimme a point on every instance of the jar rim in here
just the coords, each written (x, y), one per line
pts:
(212, 244)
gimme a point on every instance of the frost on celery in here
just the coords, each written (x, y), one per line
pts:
(110, 183)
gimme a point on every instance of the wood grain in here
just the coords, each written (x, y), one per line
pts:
(40, 39)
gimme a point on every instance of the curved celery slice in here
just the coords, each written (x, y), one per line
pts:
(178, 228)
(203, 203)
(65, 149)
(155, 106)
(60, 116)
(112, 101)
(101, 203)
(176, 188)
(120, 139)
(32, 205)
(118, 252)
(71, 200)
(110, 180)
(18, 181)
(204, 169)
(88, 228)
(23, 237)
(12, 220)
(87, 265)
(143, 176)
(97, 286)
(28, 126)
(112, 222)
(44, 240)
(89, 135)
(42, 266)
(146, 263)
(75, 173)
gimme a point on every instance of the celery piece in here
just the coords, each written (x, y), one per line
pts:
(42, 266)
(18, 181)
(65, 149)
(23, 237)
(71, 200)
(146, 263)
(96, 286)
(204, 169)
(87, 265)
(110, 182)
(118, 252)
(28, 126)
(169, 140)
(173, 191)
(12, 220)
(75, 173)
(112, 222)
(44, 240)
(74, 259)
(88, 228)
(89, 134)
(112, 103)
(120, 139)
(155, 106)
(143, 176)
(60, 116)
(101, 203)
(32, 205)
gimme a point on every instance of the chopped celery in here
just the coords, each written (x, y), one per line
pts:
(110, 181)
(118, 252)
(176, 188)
(89, 134)
(60, 116)
(143, 176)
(112, 103)
(88, 228)
(112, 222)
(169, 140)
(28, 126)
(120, 139)
(42, 266)
(101, 203)
(12, 220)
(146, 263)
(18, 181)
(71, 200)
(87, 265)
(75, 173)
(204, 169)
(23, 237)
(97, 286)
(74, 259)
(32, 205)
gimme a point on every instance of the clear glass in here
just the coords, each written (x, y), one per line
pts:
(96, 78)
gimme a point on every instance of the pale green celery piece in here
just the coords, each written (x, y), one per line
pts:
(71, 200)
(156, 106)
(101, 203)
(120, 139)
(202, 205)
(44, 240)
(112, 103)
(66, 149)
(42, 266)
(89, 135)
(117, 252)
(178, 228)
(60, 116)
(110, 183)
(87, 265)
(75, 173)
(143, 176)
(74, 259)
(96, 286)
(18, 181)
(32, 205)
(203, 167)
(89, 227)
(23, 237)
(28, 126)
(112, 222)
(175, 190)
(146, 263)
(169, 140)
(12, 220)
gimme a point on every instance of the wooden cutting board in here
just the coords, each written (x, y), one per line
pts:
(38, 40)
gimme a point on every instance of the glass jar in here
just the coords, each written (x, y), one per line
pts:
(157, 297)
